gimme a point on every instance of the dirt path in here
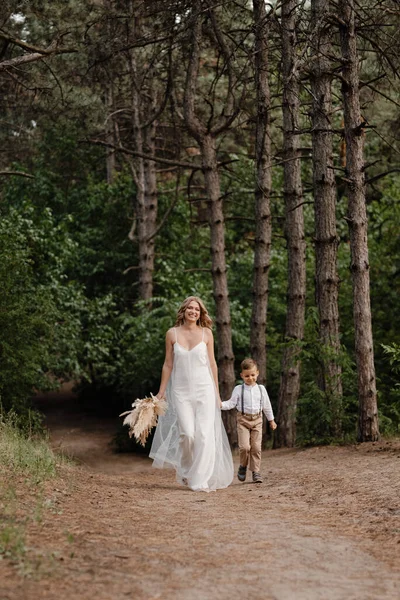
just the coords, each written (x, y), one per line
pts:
(325, 525)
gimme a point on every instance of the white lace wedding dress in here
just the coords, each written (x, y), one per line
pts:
(191, 436)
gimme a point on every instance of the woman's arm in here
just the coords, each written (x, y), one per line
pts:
(168, 364)
(211, 357)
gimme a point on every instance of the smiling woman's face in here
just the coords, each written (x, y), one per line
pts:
(192, 312)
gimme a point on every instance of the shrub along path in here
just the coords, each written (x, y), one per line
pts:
(325, 525)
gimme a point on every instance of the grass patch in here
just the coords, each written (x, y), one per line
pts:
(27, 462)
(12, 542)
(26, 454)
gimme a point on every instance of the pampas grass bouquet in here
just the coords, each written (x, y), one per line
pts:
(144, 416)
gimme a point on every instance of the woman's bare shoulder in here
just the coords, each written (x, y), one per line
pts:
(170, 335)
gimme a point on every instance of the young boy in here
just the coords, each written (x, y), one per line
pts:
(251, 400)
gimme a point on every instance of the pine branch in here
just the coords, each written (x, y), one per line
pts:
(380, 175)
(36, 53)
(19, 173)
(123, 150)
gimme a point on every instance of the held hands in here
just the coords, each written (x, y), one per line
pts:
(273, 425)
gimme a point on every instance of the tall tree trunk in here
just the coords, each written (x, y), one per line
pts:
(207, 144)
(368, 429)
(110, 134)
(139, 227)
(326, 240)
(262, 194)
(218, 264)
(151, 206)
(144, 173)
(109, 101)
(294, 231)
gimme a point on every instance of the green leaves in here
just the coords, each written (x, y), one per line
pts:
(393, 352)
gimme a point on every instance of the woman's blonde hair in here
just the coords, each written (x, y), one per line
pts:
(203, 321)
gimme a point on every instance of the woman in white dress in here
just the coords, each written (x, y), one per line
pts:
(191, 436)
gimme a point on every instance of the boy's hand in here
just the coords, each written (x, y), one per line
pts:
(273, 425)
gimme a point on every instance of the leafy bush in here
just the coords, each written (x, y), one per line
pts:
(27, 312)
(389, 403)
(314, 414)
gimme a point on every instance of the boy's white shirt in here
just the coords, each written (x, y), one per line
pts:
(251, 400)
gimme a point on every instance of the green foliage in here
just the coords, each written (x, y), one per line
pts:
(27, 311)
(59, 319)
(384, 236)
(393, 352)
(315, 407)
(12, 541)
(390, 401)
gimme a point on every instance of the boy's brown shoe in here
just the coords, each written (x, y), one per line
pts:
(257, 477)
(241, 474)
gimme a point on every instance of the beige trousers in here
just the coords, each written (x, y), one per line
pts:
(249, 429)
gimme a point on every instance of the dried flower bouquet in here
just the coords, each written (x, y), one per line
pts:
(143, 416)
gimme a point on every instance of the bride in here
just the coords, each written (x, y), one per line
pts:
(191, 437)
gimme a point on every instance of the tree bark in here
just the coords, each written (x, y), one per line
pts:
(294, 232)
(262, 248)
(326, 239)
(110, 134)
(110, 128)
(35, 54)
(218, 265)
(208, 150)
(368, 429)
(146, 238)
(144, 173)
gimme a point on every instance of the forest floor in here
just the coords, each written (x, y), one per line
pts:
(324, 525)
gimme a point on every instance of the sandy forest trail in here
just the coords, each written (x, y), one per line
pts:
(324, 525)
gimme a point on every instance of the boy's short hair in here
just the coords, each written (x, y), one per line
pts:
(248, 363)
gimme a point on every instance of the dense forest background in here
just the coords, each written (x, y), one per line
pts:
(146, 156)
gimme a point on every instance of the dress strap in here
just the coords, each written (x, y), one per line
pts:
(176, 334)
(202, 337)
